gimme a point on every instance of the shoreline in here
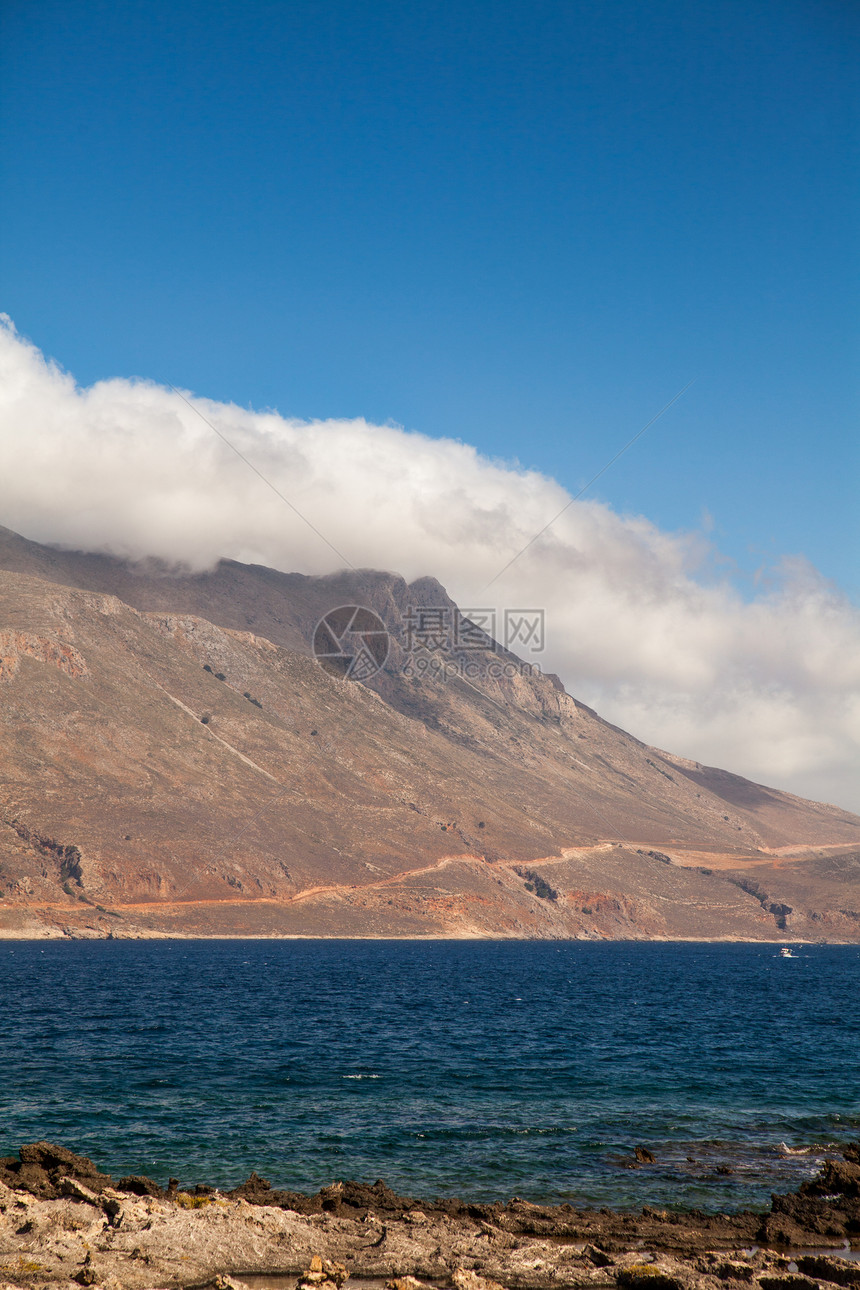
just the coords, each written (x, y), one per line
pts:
(63, 1223)
(58, 935)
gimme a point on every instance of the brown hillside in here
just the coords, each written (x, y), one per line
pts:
(140, 794)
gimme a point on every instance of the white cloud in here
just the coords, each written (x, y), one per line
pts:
(637, 624)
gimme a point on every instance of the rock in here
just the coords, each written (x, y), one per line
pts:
(139, 1185)
(254, 1183)
(113, 1211)
(86, 1276)
(146, 1237)
(644, 1156)
(34, 1179)
(837, 1178)
(599, 1258)
(730, 1270)
(379, 1197)
(323, 1274)
(463, 1279)
(71, 1187)
(52, 1157)
(829, 1268)
(647, 1276)
(42, 1166)
(787, 1281)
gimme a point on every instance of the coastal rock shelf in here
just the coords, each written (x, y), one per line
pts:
(64, 1223)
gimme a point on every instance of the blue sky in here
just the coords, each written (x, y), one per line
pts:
(523, 225)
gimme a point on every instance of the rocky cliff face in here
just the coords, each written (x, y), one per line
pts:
(175, 760)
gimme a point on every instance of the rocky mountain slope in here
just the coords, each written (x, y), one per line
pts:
(175, 760)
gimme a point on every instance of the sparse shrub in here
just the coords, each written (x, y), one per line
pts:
(187, 1201)
(537, 885)
(642, 1275)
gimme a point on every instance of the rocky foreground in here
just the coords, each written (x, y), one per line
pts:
(63, 1223)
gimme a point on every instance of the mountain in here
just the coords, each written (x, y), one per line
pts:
(175, 760)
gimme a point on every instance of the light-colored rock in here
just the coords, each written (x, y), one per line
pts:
(157, 1243)
(465, 1280)
(71, 1187)
(322, 1274)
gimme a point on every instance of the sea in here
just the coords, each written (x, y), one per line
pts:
(478, 1069)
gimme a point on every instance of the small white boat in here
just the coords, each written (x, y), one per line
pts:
(786, 953)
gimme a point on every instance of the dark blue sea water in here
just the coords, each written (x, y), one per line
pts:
(479, 1069)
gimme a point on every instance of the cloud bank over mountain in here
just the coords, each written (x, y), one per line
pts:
(639, 622)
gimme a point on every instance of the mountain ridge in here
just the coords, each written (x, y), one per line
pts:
(143, 795)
